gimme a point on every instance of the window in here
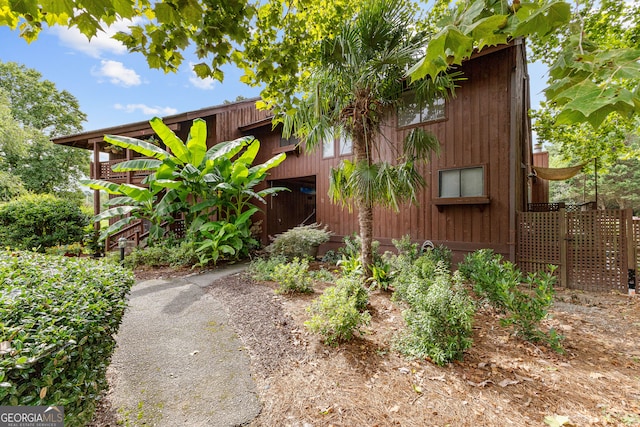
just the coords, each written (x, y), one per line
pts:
(285, 142)
(468, 182)
(413, 112)
(346, 145)
(328, 148)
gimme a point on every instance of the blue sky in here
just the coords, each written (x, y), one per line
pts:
(115, 87)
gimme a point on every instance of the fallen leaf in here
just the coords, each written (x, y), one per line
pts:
(395, 408)
(507, 382)
(43, 392)
(556, 420)
(193, 353)
(417, 389)
(596, 375)
(440, 378)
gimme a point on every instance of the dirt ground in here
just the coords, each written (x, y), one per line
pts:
(502, 381)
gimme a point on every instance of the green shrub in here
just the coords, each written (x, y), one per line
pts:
(499, 282)
(406, 248)
(439, 319)
(58, 319)
(301, 241)
(440, 253)
(40, 221)
(338, 313)
(322, 275)
(293, 277)
(261, 269)
(168, 253)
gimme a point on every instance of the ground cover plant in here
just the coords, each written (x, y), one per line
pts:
(58, 319)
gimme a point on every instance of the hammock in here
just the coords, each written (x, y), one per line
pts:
(557, 174)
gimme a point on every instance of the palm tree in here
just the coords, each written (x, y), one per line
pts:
(358, 80)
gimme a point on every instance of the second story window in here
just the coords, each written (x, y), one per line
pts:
(466, 182)
(411, 112)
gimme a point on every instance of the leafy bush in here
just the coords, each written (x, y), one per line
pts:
(301, 241)
(40, 221)
(337, 314)
(58, 319)
(169, 253)
(440, 253)
(293, 277)
(261, 269)
(499, 282)
(406, 248)
(439, 319)
(232, 239)
(413, 277)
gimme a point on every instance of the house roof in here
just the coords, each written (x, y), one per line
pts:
(139, 129)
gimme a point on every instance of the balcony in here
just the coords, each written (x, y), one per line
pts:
(107, 174)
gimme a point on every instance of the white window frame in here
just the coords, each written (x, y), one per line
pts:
(435, 111)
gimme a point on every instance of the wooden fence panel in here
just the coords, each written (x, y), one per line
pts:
(538, 241)
(594, 250)
(597, 251)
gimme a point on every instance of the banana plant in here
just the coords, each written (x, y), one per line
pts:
(130, 204)
(198, 182)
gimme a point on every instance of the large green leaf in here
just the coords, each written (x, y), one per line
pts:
(228, 149)
(117, 226)
(197, 142)
(250, 153)
(269, 164)
(143, 147)
(117, 201)
(113, 212)
(96, 184)
(137, 165)
(170, 139)
(139, 194)
(541, 20)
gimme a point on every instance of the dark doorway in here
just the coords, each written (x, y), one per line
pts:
(288, 209)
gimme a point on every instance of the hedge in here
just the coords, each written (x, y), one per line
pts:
(58, 319)
(40, 221)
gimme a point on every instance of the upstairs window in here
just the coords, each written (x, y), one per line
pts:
(285, 142)
(411, 112)
(346, 145)
(467, 182)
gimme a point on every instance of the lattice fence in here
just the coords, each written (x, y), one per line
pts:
(594, 250)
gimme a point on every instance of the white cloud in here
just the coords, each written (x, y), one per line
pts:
(116, 73)
(197, 82)
(101, 43)
(146, 109)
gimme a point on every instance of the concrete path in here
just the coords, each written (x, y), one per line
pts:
(178, 361)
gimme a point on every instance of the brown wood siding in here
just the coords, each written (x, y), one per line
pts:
(485, 121)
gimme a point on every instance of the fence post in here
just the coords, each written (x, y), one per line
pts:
(631, 251)
(564, 267)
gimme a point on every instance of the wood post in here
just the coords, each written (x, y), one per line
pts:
(562, 238)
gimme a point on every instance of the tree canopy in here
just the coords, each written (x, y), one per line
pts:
(277, 42)
(31, 111)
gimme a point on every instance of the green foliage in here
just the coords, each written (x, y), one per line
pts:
(261, 269)
(293, 277)
(40, 221)
(167, 253)
(439, 318)
(30, 158)
(226, 239)
(196, 182)
(501, 284)
(406, 248)
(11, 186)
(58, 319)
(338, 313)
(37, 103)
(301, 241)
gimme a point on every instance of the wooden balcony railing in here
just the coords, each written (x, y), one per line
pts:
(135, 233)
(107, 174)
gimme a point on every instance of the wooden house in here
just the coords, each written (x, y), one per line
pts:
(475, 186)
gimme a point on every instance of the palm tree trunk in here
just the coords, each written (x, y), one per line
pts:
(365, 208)
(365, 220)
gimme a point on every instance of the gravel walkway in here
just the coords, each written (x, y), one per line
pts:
(179, 361)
